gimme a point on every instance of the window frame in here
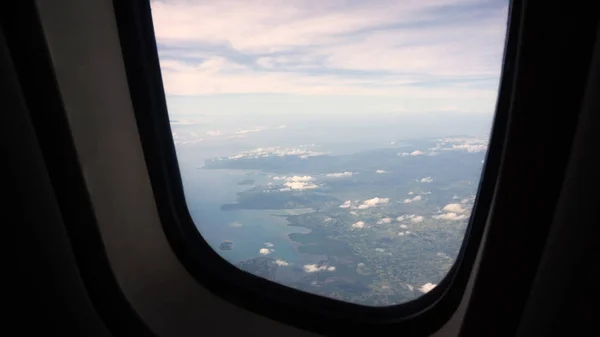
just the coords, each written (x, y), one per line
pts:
(422, 316)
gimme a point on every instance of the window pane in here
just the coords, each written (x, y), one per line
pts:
(333, 146)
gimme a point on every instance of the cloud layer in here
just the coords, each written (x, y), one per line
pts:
(334, 48)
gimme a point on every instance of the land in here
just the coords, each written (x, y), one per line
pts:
(246, 182)
(375, 255)
(226, 245)
(264, 267)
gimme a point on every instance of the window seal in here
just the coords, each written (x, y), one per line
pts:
(419, 317)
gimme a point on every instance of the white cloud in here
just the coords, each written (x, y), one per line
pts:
(379, 250)
(340, 174)
(450, 216)
(426, 287)
(264, 152)
(180, 122)
(358, 224)
(300, 185)
(471, 145)
(411, 193)
(358, 38)
(300, 178)
(235, 224)
(381, 171)
(403, 226)
(281, 263)
(373, 202)
(414, 153)
(296, 183)
(417, 219)
(384, 221)
(405, 217)
(346, 204)
(214, 133)
(400, 233)
(311, 268)
(408, 201)
(410, 287)
(241, 132)
(264, 251)
(426, 180)
(354, 213)
(268, 244)
(456, 208)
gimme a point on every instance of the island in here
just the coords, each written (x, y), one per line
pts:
(226, 245)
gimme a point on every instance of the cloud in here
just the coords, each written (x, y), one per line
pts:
(417, 219)
(300, 185)
(359, 224)
(405, 217)
(414, 153)
(264, 152)
(299, 178)
(241, 132)
(450, 216)
(346, 204)
(381, 171)
(466, 144)
(456, 208)
(340, 175)
(373, 202)
(281, 263)
(329, 47)
(384, 221)
(268, 244)
(411, 193)
(426, 180)
(264, 251)
(296, 183)
(180, 122)
(213, 133)
(400, 233)
(235, 224)
(426, 287)
(403, 226)
(416, 198)
(312, 268)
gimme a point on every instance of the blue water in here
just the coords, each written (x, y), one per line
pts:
(250, 230)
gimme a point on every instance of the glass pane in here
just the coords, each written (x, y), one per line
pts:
(333, 146)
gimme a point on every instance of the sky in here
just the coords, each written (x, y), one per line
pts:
(330, 58)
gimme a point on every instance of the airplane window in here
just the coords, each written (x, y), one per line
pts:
(334, 147)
